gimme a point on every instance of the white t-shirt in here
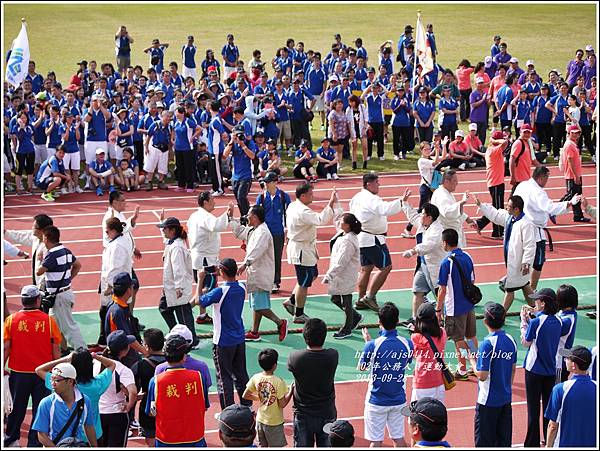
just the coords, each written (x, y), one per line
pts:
(111, 401)
(426, 168)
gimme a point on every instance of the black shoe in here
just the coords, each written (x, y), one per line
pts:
(582, 219)
(141, 327)
(407, 323)
(591, 315)
(341, 334)
(354, 165)
(357, 319)
(364, 165)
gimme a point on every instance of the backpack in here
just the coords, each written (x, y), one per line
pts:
(436, 180)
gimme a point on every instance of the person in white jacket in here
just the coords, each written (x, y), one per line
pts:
(259, 264)
(372, 212)
(519, 246)
(357, 116)
(342, 275)
(116, 258)
(538, 209)
(250, 113)
(452, 215)
(204, 237)
(177, 278)
(302, 222)
(429, 249)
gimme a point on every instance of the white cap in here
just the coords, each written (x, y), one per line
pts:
(473, 126)
(513, 60)
(65, 370)
(182, 330)
(333, 78)
(459, 133)
(100, 150)
(589, 48)
(479, 80)
(160, 105)
(530, 63)
(96, 97)
(30, 291)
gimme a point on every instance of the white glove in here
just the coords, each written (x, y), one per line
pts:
(407, 254)
(576, 199)
(8, 403)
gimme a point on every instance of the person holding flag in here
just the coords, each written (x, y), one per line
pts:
(423, 55)
(17, 65)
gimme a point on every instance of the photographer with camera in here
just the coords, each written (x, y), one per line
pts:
(243, 152)
(31, 338)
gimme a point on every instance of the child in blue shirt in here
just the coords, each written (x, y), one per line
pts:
(327, 160)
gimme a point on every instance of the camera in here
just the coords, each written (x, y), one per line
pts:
(244, 220)
(47, 302)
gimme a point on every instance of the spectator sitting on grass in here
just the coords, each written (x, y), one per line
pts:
(102, 173)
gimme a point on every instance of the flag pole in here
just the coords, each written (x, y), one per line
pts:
(415, 53)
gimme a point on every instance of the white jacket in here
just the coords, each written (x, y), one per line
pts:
(450, 215)
(27, 238)
(363, 125)
(372, 212)
(260, 256)
(116, 258)
(127, 230)
(344, 265)
(302, 224)
(204, 236)
(521, 246)
(177, 273)
(431, 247)
(252, 115)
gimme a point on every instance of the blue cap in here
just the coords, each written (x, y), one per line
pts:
(122, 280)
(118, 340)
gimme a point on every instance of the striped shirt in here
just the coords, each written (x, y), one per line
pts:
(58, 262)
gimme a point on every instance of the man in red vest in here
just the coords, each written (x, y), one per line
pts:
(176, 399)
(31, 338)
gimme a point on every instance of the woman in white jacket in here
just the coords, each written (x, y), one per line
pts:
(357, 115)
(177, 277)
(116, 258)
(342, 275)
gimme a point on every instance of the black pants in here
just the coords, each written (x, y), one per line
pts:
(241, 188)
(344, 302)
(214, 171)
(449, 130)
(536, 387)
(323, 170)
(138, 147)
(495, 119)
(452, 163)
(425, 133)
(586, 137)
(493, 426)
(378, 137)
(202, 169)
(183, 313)
(572, 190)
(278, 242)
(465, 105)
(481, 131)
(115, 427)
(186, 166)
(544, 134)
(403, 140)
(23, 386)
(102, 314)
(559, 132)
(497, 195)
(300, 131)
(25, 164)
(230, 367)
(308, 431)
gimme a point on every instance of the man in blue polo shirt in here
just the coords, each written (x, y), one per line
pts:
(243, 151)
(458, 310)
(504, 105)
(496, 364)
(495, 49)
(373, 96)
(188, 53)
(386, 358)
(557, 105)
(572, 406)
(503, 57)
(316, 78)
(231, 54)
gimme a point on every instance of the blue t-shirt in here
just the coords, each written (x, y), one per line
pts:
(24, 139)
(159, 133)
(559, 102)
(316, 79)
(230, 54)
(505, 96)
(70, 144)
(328, 154)
(456, 303)
(100, 167)
(96, 128)
(275, 207)
(50, 166)
(387, 357)
(542, 114)
(55, 137)
(523, 112)
(424, 110)
(497, 354)
(402, 111)
(160, 54)
(544, 331)
(215, 130)
(188, 52)
(448, 104)
(299, 153)
(39, 133)
(282, 111)
(228, 302)
(374, 107)
(573, 406)
(183, 134)
(242, 164)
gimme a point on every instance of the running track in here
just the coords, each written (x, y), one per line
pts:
(79, 221)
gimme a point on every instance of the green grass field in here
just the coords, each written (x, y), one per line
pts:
(61, 35)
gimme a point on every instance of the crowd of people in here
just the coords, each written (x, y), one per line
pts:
(127, 125)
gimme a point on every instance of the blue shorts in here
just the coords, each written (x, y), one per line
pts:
(540, 255)
(306, 274)
(377, 255)
(43, 184)
(260, 300)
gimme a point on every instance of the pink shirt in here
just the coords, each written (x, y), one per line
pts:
(427, 372)
(570, 150)
(464, 78)
(494, 166)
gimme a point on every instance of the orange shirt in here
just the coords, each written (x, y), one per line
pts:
(570, 150)
(473, 141)
(495, 85)
(494, 166)
(464, 78)
(31, 334)
(456, 147)
(486, 80)
(523, 165)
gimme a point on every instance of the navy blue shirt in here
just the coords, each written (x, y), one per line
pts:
(98, 125)
(424, 110)
(456, 303)
(183, 134)
(497, 354)
(188, 52)
(316, 79)
(402, 109)
(230, 54)
(242, 164)
(275, 207)
(58, 262)
(159, 133)
(70, 144)
(375, 108)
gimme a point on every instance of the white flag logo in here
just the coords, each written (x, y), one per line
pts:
(422, 48)
(18, 63)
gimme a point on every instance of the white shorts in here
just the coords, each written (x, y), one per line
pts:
(156, 160)
(50, 151)
(119, 152)
(187, 72)
(40, 153)
(72, 161)
(319, 104)
(377, 418)
(227, 71)
(438, 393)
(112, 152)
(90, 149)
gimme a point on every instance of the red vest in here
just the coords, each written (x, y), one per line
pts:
(180, 406)
(30, 336)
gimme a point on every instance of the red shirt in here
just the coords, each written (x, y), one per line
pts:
(456, 147)
(522, 170)
(494, 165)
(570, 150)
(427, 373)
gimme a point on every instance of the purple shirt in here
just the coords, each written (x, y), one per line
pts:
(502, 58)
(491, 71)
(588, 72)
(478, 114)
(573, 71)
(523, 78)
(191, 363)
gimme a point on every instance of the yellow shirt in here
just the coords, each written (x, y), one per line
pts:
(269, 389)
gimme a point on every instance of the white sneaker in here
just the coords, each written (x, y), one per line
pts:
(368, 158)
(396, 157)
(217, 193)
(472, 165)
(381, 158)
(335, 176)
(328, 176)
(78, 189)
(463, 166)
(64, 191)
(83, 176)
